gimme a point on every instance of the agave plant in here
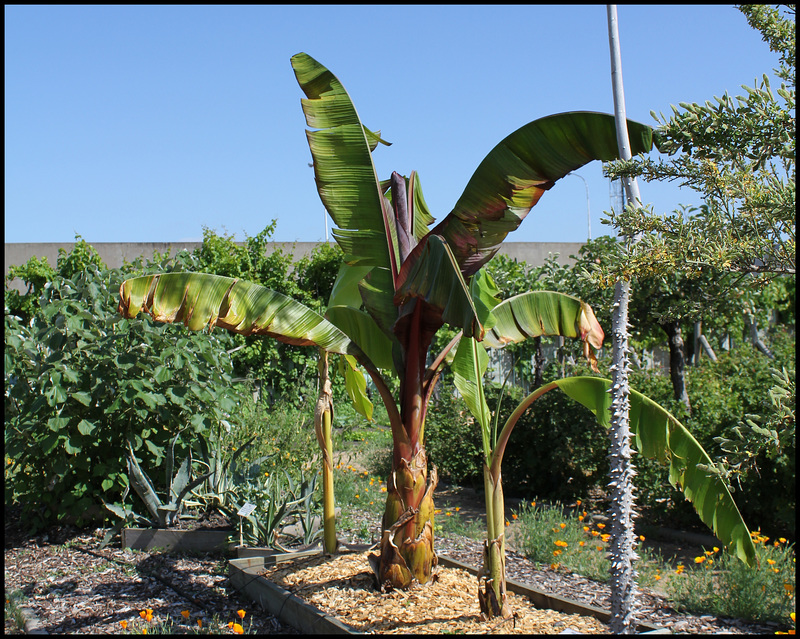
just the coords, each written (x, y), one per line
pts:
(401, 281)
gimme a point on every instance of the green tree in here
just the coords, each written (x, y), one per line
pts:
(739, 154)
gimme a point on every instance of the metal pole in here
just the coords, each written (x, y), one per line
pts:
(588, 209)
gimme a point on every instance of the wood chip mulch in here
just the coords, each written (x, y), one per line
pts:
(344, 587)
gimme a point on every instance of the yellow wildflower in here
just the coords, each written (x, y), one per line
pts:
(241, 613)
(771, 562)
(699, 560)
(238, 629)
(601, 526)
(124, 624)
(185, 614)
(563, 526)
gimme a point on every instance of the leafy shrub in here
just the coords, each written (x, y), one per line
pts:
(79, 380)
(36, 272)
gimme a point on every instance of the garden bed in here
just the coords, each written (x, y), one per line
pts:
(323, 595)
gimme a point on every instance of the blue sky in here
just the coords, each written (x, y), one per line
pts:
(146, 123)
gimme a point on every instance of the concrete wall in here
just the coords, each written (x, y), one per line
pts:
(114, 253)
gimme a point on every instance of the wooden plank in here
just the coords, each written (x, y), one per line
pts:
(279, 602)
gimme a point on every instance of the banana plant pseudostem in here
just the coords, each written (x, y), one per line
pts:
(401, 281)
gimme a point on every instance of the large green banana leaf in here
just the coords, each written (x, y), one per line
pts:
(469, 366)
(201, 299)
(363, 330)
(515, 319)
(659, 435)
(516, 173)
(538, 313)
(346, 177)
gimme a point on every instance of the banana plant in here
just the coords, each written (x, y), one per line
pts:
(402, 282)
(655, 432)
(531, 314)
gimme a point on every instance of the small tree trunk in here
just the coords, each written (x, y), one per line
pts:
(623, 556)
(621, 472)
(677, 363)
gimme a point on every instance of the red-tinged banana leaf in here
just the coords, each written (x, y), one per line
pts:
(346, 179)
(658, 434)
(516, 173)
(200, 299)
(430, 274)
(420, 213)
(545, 313)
